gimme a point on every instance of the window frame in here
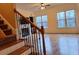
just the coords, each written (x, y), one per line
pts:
(74, 18)
(37, 22)
(66, 19)
(57, 21)
(42, 21)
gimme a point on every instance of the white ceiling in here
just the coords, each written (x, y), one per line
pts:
(32, 6)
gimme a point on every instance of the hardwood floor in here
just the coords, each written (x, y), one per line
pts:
(62, 44)
(56, 44)
(19, 51)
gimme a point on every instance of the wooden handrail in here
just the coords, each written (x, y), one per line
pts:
(41, 30)
(26, 19)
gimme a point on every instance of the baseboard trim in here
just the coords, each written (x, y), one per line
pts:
(61, 33)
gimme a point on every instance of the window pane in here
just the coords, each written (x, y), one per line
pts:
(45, 24)
(61, 15)
(44, 21)
(70, 23)
(70, 16)
(38, 19)
(61, 19)
(44, 18)
(39, 24)
(61, 23)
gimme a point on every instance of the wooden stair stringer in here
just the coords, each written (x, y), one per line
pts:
(2, 34)
(6, 22)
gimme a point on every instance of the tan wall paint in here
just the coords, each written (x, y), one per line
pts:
(6, 10)
(25, 12)
(52, 23)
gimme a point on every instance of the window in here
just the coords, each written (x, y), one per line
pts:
(38, 21)
(66, 19)
(70, 17)
(61, 19)
(42, 20)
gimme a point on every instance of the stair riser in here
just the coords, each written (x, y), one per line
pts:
(1, 22)
(4, 27)
(11, 49)
(8, 32)
(7, 40)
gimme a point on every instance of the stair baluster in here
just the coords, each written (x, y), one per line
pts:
(37, 37)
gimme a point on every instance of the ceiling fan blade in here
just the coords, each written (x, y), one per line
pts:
(48, 5)
(36, 4)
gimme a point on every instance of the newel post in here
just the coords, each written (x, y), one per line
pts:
(43, 40)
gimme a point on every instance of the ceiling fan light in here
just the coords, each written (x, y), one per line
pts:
(42, 8)
(42, 4)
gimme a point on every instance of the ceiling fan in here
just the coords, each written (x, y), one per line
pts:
(41, 4)
(46, 4)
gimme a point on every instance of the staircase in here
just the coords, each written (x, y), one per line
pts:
(7, 31)
(5, 28)
(15, 48)
(33, 44)
(9, 45)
